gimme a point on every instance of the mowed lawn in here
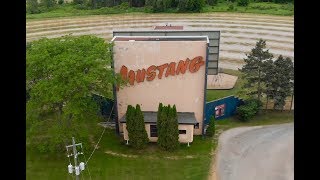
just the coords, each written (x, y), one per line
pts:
(114, 160)
(151, 163)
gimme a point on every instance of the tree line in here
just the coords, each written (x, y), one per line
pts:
(37, 6)
(265, 77)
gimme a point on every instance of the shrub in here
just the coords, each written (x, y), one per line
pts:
(243, 2)
(249, 109)
(137, 133)
(33, 7)
(231, 7)
(211, 128)
(167, 125)
(60, 2)
(48, 3)
(78, 1)
(190, 5)
(124, 5)
(212, 2)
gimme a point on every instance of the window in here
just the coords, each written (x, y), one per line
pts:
(153, 131)
(182, 131)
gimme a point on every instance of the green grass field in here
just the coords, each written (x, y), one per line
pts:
(151, 163)
(67, 10)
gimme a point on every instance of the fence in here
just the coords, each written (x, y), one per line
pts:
(222, 108)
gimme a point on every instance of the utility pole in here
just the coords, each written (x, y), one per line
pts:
(75, 154)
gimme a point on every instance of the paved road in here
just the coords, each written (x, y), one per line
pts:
(256, 153)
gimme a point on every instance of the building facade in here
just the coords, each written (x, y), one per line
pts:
(167, 70)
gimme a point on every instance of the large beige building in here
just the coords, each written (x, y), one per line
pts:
(167, 70)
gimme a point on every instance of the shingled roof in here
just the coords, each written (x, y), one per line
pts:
(151, 117)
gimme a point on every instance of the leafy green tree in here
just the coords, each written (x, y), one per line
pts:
(252, 69)
(211, 128)
(61, 76)
(33, 7)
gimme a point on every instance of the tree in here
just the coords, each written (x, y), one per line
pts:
(161, 126)
(167, 124)
(61, 76)
(137, 133)
(142, 135)
(33, 6)
(252, 69)
(279, 80)
(211, 128)
(48, 3)
(243, 2)
(78, 1)
(212, 2)
(173, 140)
(191, 5)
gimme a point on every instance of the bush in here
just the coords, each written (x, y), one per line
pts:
(212, 2)
(243, 2)
(231, 7)
(60, 2)
(124, 5)
(167, 125)
(78, 1)
(48, 3)
(190, 5)
(211, 128)
(137, 133)
(249, 109)
(33, 7)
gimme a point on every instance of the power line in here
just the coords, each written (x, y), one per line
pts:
(99, 138)
(85, 159)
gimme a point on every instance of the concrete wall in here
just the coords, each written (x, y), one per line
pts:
(186, 91)
(183, 138)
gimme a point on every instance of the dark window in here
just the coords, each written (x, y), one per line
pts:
(153, 131)
(182, 131)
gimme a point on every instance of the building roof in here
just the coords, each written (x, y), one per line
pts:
(168, 27)
(160, 38)
(151, 117)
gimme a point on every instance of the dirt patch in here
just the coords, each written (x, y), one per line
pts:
(221, 81)
(119, 154)
(148, 157)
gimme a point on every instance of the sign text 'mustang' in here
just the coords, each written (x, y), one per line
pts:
(168, 69)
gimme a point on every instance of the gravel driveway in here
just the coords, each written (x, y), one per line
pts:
(256, 153)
